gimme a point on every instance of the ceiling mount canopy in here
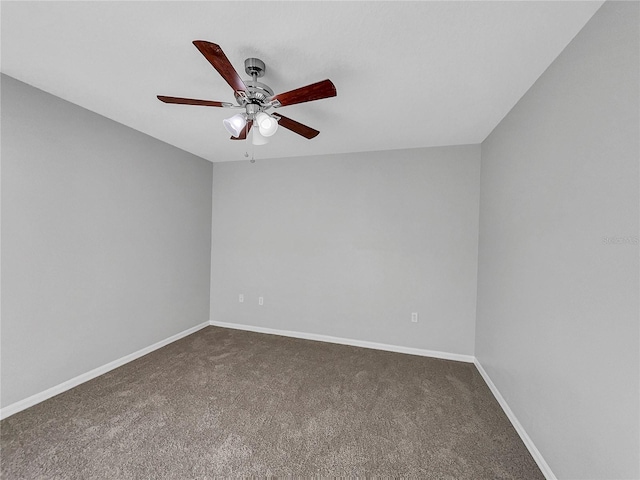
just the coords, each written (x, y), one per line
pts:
(255, 98)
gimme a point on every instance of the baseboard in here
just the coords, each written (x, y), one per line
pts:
(348, 341)
(535, 453)
(96, 372)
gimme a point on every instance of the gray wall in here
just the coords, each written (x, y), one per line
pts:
(557, 326)
(105, 240)
(349, 245)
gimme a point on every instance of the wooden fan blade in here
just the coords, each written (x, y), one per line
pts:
(221, 63)
(296, 127)
(315, 91)
(193, 101)
(244, 132)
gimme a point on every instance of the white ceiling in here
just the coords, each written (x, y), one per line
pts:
(408, 74)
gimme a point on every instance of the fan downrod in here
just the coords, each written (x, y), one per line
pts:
(257, 92)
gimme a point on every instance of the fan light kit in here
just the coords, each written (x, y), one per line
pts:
(255, 98)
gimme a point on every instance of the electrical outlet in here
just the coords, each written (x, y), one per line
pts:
(414, 317)
(260, 300)
(241, 298)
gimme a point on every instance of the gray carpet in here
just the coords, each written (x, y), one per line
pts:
(222, 403)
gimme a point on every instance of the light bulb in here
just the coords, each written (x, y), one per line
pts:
(235, 124)
(267, 124)
(257, 138)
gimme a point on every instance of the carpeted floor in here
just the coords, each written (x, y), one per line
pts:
(222, 403)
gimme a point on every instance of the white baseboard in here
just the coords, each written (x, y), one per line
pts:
(96, 372)
(535, 453)
(348, 341)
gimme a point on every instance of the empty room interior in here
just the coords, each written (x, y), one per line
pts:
(320, 239)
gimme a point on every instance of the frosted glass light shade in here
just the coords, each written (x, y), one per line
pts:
(235, 124)
(267, 124)
(257, 138)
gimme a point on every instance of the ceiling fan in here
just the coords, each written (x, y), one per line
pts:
(255, 98)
